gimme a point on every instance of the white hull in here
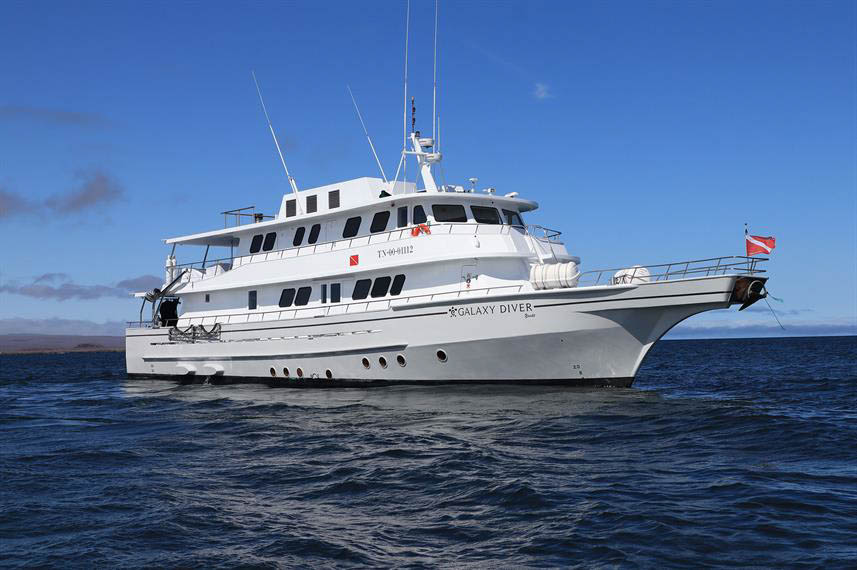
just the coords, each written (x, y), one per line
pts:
(581, 336)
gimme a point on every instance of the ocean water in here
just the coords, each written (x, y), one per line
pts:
(724, 453)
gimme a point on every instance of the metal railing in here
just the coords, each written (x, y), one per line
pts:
(676, 270)
(239, 213)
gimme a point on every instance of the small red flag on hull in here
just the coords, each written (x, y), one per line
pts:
(353, 260)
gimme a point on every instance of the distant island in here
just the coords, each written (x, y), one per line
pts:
(53, 343)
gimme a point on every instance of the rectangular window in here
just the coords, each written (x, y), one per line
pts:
(485, 215)
(291, 208)
(251, 300)
(333, 199)
(380, 287)
(379, 222)
(403, 217)
(335, 293)
(311, 204)
(287, 297)
(352, 226)
(449, 213)
(256, 244)
(324, 293)
(270, 240)
(207, 297)
(398, 283)
(419, 215)
(513, 218)
(361, 289)
(302, 297)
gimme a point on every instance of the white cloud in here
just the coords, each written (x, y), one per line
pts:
(542, 91)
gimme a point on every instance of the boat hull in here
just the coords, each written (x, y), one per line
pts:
(588, 336)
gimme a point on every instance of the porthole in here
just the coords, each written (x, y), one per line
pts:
(273, 371)
(441, 355)
(366, 363)
(329, 374)
(286, 372)
(401, 360)
(300, 372)
(383, 362)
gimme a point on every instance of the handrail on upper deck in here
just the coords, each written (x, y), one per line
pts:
(676, 270)
(238, 213)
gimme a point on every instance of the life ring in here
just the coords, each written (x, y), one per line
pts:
(420, 228)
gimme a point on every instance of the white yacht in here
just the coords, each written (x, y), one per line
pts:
(370, 281)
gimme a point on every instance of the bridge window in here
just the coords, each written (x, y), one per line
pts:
(402, 214)
(313, 233)
(419, 215)
(352, 226)
(270, 240)
(302, 297)
(311, 204)
(335, 293)
(333, 199)
(449, 213)
(485, 215)
(291, 208)
(512, 218)
(379, 222)
(398, 283)
(361, 289)
(287, 297)
(256, 244)
(299, 236)
(324, 292)
(380, 287)
(251, 300)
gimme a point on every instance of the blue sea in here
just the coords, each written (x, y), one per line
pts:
(724, 453)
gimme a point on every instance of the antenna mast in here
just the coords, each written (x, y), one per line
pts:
(277, 144)
(359, 116)
(403, 164)
(434, 93)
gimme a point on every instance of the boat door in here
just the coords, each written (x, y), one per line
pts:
(468, 278)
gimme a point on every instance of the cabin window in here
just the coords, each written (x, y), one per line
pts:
(311, 204)
(352, 226)
(207, 297)
(291, 208)
(361, 289)
(398, 283)
(449, 213)
(302, 297)
(270, 240)
(313, 233)
(299, 236)
(256, 244)
(402, 214)
(380, 287)
(333, 199)
(419, 215)
(379, 222)
(512, 218)
(287, 297)
(335, 293)
(324, 293)
(485, 215)
(251, 300)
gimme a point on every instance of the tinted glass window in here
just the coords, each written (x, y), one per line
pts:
(299, 236)
(270, 240)
(291, 208)
(333, 199)
(449, 213)
(251, 300)
(335, 293)
(485, 215)
(398, 283)
(302, 297)
(324, 293)
(402, 220)
(287, 297)
(419, 215)
(313, 233)
(311, 204)
(352, 226)
(361, 289)
(379, 288)
(256, 244)
(513, 218)
(379, 222)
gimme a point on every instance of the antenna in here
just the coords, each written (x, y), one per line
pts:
(413, 115)
(359, 116)
(277, 143)
(434, 93)
(403, 164)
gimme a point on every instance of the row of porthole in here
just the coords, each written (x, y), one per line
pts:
(300, 373)
(400, 359)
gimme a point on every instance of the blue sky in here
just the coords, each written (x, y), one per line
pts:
(648, 131)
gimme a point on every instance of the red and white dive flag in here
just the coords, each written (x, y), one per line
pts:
(759, 244)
